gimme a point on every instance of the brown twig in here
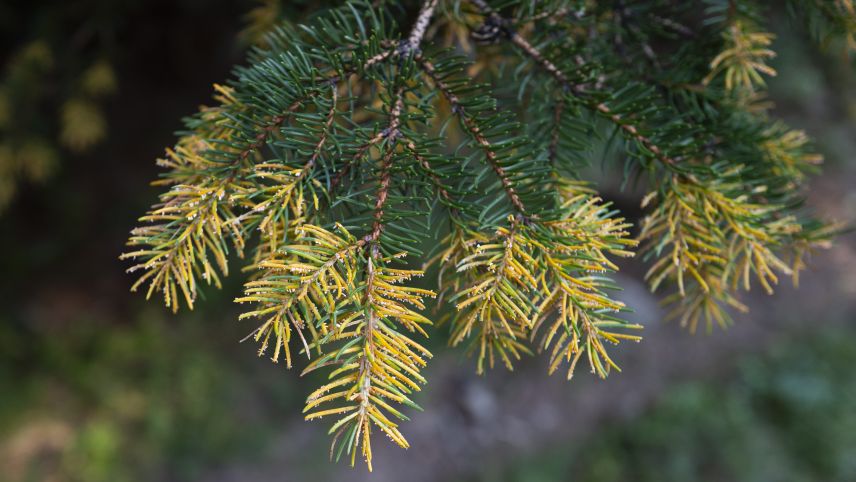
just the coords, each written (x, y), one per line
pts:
(391, 133)
(421, 25)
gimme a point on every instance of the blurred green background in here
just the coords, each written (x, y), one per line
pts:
(98, 385)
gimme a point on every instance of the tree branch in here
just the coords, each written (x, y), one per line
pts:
(575, 89)
(435, 179)
(475, 132)
(421, 25)
(391, 133)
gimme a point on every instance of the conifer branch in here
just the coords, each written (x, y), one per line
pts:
(553, 150)
(421, 25)
(391, 135)
(359, 154)
(287, 184)
(495, 306)
(575, 89)
(473, 130)
(441, 189)
(354, 113)
(178, 247)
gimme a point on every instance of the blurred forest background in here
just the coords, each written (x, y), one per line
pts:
(98, 385)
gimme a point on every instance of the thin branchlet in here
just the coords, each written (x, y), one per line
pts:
(421, 25)
(473, 130)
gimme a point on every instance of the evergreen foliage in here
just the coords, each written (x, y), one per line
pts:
(346, 141)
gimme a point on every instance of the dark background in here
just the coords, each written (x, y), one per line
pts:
(96, 384)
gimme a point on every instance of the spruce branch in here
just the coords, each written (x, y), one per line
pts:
(574, 89)
(555, 134)
(421, 25)
(190, 221)
(425, 164)
(495, 305)
(345, 142)
(286, 184)
(471, 127)
(391, 134)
